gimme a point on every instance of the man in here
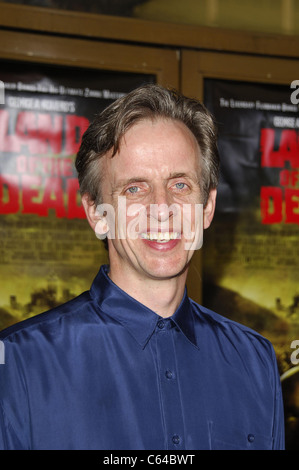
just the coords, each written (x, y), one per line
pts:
(134, 363)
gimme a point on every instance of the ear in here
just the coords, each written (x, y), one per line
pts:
(90, 210)
(209, 209)
(97, 221)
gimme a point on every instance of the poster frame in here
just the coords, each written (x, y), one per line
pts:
(74, 52)
(96, 26)
(196, 66)
(24, 48)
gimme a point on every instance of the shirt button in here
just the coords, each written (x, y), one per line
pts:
(250, 437)
(169, 374)
(176, 439)
(161, 324)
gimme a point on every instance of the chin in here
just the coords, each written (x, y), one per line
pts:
(167, 270)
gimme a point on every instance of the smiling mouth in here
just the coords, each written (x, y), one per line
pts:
(160, 237)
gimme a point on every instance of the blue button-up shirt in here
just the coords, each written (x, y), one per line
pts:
(104, 372)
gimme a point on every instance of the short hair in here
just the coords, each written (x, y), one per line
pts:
(149, 101)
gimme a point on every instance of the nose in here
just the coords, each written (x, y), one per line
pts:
(161, 207)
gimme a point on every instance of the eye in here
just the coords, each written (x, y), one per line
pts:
(133, 189)
(180, 188)
(180, 185)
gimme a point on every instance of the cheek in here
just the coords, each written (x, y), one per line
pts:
(192, 221)
(136, 220)
(131, 219)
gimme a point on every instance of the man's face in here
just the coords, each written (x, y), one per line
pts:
(155, 175)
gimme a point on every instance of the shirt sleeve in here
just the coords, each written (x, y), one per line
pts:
(278, 421)
(13, 402)
(8, 438)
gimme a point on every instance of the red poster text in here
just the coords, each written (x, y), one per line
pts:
(281, 203)
(40, 176)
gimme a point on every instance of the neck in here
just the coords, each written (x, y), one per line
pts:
(163, 296)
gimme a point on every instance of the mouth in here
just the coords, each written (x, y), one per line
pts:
(160, 237)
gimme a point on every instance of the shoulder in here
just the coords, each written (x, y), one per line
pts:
(224, 323)
(70, 311)
(233, 336)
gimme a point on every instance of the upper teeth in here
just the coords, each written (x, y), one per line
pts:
(160, 236)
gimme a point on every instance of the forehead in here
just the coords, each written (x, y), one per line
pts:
(156, 146)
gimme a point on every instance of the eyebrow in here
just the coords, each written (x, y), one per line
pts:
(178, 175)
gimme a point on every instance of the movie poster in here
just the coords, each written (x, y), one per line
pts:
(48, 252)
(251, 251)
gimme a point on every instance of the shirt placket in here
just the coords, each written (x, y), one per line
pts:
(169, 386)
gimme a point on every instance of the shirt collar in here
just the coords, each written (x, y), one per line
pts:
(138, 319)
